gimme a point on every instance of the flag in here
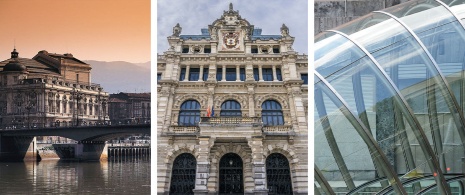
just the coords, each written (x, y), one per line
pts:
(208, 112)
(213, 112)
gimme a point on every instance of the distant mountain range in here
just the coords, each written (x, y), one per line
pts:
(121, 76)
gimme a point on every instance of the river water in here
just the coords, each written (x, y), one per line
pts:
(115, 176)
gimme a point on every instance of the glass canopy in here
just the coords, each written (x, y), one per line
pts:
(389, 101)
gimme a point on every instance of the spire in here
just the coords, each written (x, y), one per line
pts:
(14, 53)
(231, 7)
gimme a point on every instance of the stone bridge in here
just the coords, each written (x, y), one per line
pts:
(20, 144)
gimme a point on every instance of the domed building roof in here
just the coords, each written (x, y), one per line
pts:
(14, 65)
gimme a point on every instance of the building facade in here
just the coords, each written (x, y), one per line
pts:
(232, 111)
(49, 90)
(129, 108)
(332, 13)
(389, 102)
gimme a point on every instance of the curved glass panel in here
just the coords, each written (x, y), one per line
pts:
(189, 115)
(231, 108)
(370, 96)
(419, 82)
(407, 89)
(343, 152)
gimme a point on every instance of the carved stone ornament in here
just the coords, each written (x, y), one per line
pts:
(239, 98)
(177, 30)
(202, 99)
(259, 99)
(231, 40)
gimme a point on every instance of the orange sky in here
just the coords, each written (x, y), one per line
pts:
(106, 30)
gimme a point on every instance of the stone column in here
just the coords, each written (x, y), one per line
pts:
(201, 73)
(251, 92)
(258, 165)
(275, 78)
(260, 75)
(224, 73)
(238, 74)
(203, 166)
(186, 77)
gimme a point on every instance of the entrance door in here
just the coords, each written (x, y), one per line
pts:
(231, 179)
(183, 175)
(278, 174)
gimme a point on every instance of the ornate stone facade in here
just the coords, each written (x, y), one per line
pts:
(129, 108)
(49, 90)
(232, 61)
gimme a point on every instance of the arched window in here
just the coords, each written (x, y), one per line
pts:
(231, 108)
(272, 113)
(189, 115)
(278, 175)
(183, 174)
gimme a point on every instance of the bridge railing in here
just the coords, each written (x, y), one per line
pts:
(56, 125)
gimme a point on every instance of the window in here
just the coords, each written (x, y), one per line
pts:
(189, 115)
(230, 74)
(254, 49)
(207, 49)
(205, 74)
(275, 49)
(158, 76)
(194, 74)
(272, 113)
(267, 74)
(183, 74)
(242, 74)
(278, 74)
(219, 74)
(185, 49)
(304, 78)
(255, 74)
(231, 108)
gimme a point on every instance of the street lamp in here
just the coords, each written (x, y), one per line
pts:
(78, 97)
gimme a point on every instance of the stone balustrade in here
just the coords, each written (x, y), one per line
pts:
(230, 120)
(281, 129)
(183, 129)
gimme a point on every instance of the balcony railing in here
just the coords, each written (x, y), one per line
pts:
(281, 129)
(183, 129)
(230, 120)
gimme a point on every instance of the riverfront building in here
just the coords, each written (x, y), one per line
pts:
(129, 108)
(390, 101)
(49, 90)
(232, 111)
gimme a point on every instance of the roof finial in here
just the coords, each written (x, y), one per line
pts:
(231, 7)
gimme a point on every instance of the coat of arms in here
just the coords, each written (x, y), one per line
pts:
(231, 40)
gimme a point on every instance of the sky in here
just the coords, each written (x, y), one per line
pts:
(104, 30)
(265, 14)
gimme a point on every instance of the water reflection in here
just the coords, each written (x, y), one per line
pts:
(117, 176)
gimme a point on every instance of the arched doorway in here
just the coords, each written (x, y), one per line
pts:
(231, 177)
(278, 174)
(183, 174)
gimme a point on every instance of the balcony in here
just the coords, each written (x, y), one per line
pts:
(278, 130)
(231, 120)
(183, 130)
